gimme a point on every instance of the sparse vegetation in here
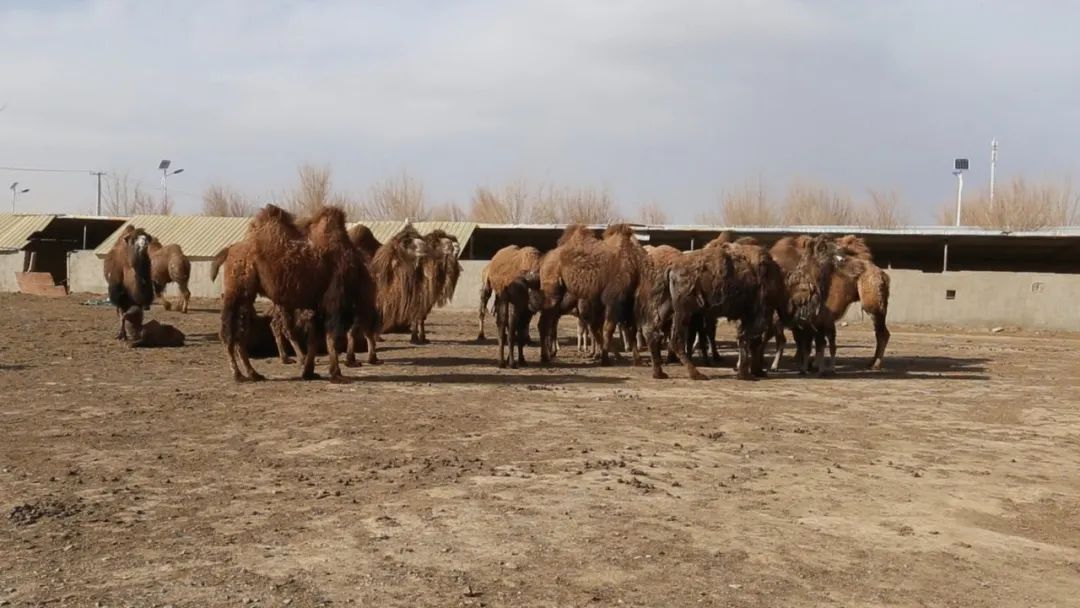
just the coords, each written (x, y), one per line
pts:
(224, 201)
(1018, 205)
(396, 198)
(652, 214)
(123, 196)
(517, 202)
(806, 203)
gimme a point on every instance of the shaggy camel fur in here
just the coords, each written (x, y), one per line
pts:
(527, 264)
(400, 299)
(602, 275)
(128, 273)
(168, 264)
(151, 334)
(719, 280)
(859, 280)
(364, 240)
(508, 276)
(441, 271)
(808, 286)
(318, 272)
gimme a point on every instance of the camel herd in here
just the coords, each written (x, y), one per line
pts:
(330, 286)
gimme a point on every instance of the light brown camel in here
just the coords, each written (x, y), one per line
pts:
(318, 272)
(128, 274)
(151, 334)
(399, 297)
(441, 271)
(169, 265)
(508, 276)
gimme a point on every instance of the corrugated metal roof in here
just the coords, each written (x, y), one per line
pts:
(383, 230)
(15, 229)
(199, 236)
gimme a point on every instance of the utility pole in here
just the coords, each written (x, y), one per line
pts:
(98, 174)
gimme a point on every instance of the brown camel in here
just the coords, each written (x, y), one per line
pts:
(719, 280)
(808, 285)
(168, 264)
(508, 277)
(602, 274)
(318, 272)
(441, 271)
(859, 280)
(127, 271)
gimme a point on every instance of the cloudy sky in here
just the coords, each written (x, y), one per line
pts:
(670, 101)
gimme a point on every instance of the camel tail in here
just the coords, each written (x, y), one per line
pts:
(219, 259)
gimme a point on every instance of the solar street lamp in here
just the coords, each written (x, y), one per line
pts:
(15, 192)
(165, 173)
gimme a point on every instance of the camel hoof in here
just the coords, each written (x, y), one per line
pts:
(257, 377)
(522, 363)
(353, 363)
(166, 304)
(876, 366)
(698, 376)
(287, 361)
(310, 376)
(658, 375)
(502, 364)
(605, 362)
(415, 341)
(374, 361)
(339, 379)
(481, 338)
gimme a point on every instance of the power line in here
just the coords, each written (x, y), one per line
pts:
(42, 170)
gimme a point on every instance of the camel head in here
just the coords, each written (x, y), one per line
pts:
(854, 246)
(138, 241)
(410, 246)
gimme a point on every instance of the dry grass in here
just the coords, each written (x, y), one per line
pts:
(517, 203)
(652, 214)
(122, 196)
(806, 203)
(1019, 205)
(224, 201)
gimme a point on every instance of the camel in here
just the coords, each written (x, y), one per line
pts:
(508, 276)
(441, 271)
(128, 273)
(151, 334)
(400, 299)
(720, 280)
(321, 272)
(859, 280)
(168, 264)
(808, 286)
(603, 274)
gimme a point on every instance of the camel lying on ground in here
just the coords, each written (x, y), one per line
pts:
(168, 264)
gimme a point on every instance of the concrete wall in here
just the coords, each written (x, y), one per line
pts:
(85, 275)
(982, 300)
(10, 263)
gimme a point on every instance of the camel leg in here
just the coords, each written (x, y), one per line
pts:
(423, 331)
(802, 347)
(372, 358)
(654, 352)
(241, 330)
(819, 353)
(743, 372)
(680, 328)
(781, 341)
(548, 320)
(501, 323)
(485, 295)
(228, 337)
(308, 372)
(242, 354)
(628, 330)
(279, 340)
(881, 336)
(350, 346)
(332, 354)
(121, 334)
(830, 337)
(512, 333)
(523, 339)
(185, 297)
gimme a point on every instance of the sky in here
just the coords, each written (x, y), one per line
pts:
(670, 101)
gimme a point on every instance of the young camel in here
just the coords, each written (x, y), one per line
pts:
(319, 272)
(509, 274)
(128, 275)
(168, 264)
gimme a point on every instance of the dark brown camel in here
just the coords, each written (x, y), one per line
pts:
(127, 272)
(441, 271)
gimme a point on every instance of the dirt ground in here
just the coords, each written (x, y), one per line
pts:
(149, 478)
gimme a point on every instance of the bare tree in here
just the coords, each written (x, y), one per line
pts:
(748, 206)
(812, 204)
(448, 212)
(123, 196)
(224, 201)
(396, 198)
(883, 210)
(511, 204)
(1019, 205)
(652, 214)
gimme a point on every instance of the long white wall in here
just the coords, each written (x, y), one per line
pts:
(982, 299)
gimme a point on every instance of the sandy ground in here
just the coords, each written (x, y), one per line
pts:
(148, 478)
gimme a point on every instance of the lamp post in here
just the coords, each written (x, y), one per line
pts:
(15, 192)
(959, 166)
(993, 168)
(165, 173)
